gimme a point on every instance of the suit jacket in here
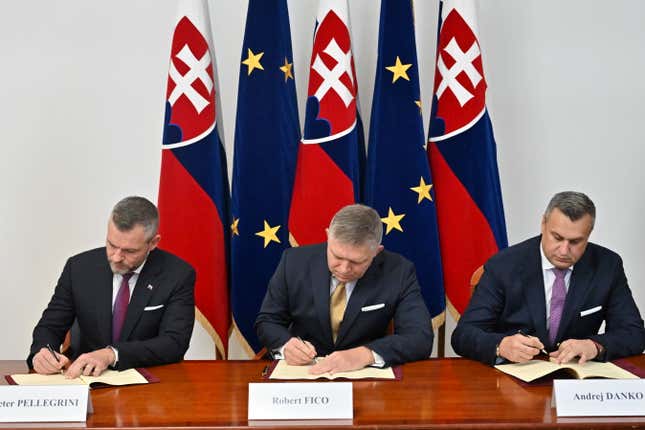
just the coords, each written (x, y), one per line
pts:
(158, 323)
(297, 304)
(510, 297)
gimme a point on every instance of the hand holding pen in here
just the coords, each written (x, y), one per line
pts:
(542, 350)
(299, 352)
(53, 354)
(520, 347)
(47, 361)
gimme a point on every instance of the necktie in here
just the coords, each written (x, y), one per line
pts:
(558, 294)
(337, 304)
(120, 307)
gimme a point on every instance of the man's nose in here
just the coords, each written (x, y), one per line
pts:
(117, 255)
(563, 249)
(344, 267)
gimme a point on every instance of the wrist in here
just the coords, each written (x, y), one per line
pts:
(115, 355)
(599, 348)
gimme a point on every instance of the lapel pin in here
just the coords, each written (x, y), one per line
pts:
(150, 287)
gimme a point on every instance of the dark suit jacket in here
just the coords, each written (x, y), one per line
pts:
(84, 293)
(510, 297)
(297, 304)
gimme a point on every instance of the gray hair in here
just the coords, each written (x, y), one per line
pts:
(573, 204)
(357, 225)
(134, 210)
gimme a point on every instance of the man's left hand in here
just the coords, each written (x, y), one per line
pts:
(91, 363)
(571, 348)
(343, 361)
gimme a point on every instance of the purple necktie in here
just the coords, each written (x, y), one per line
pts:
(120, 307)
(558, 294)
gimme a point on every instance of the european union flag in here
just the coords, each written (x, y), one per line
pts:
(399, 183)
(267, 133)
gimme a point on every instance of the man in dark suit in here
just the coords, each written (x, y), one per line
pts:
(336, 299)
(133, 303)
(552, 293)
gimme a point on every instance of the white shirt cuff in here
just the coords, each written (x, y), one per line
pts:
(116, 355)
(378, 360)
(278, 354)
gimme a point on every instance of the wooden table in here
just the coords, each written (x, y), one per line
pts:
(434, 394)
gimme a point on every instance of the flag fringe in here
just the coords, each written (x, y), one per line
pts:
(439, 320)
(219, 345)
(242, 340)
(453, 310)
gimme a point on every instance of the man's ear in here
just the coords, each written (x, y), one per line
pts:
(379, 249)
(154, 241)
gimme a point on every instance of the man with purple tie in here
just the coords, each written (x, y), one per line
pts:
(128, 304)
(551, 294)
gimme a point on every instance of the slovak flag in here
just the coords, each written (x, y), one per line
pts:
(193, 191)
(331, 155)
(462, 155)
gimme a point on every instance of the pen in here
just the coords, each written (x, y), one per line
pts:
(543, 351)
(51, 351)
(313, 360)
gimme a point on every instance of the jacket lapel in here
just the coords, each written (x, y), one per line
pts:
(104, 300)
(319, 282)
(532, 283)
(141, 295)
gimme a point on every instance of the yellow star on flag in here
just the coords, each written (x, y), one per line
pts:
(269, 234)
(418, 103)
(234, 229)
(286, 69)
(253, 61)
(399, 70)
(423, 190)
(392, 221)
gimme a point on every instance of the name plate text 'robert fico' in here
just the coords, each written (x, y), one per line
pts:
(300, 400)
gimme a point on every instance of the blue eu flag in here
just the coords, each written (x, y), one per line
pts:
(267, 133)
(399, 182)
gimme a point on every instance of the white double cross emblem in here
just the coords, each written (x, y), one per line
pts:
(463, 63)
(331, 77)
(184, 83)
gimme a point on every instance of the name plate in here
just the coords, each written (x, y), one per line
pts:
(39, 403)
(599, 397)
(300, 400)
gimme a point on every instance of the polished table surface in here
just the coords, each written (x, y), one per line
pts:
(446, 393)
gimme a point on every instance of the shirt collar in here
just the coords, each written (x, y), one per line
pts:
(547, 265)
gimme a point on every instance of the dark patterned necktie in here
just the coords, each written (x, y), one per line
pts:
(120, 307)
(558, 295)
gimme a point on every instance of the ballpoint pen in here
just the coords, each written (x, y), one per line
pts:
(51, 351)
(313, 360)
(543, 351)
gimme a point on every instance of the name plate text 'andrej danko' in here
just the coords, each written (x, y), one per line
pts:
(599, 397)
